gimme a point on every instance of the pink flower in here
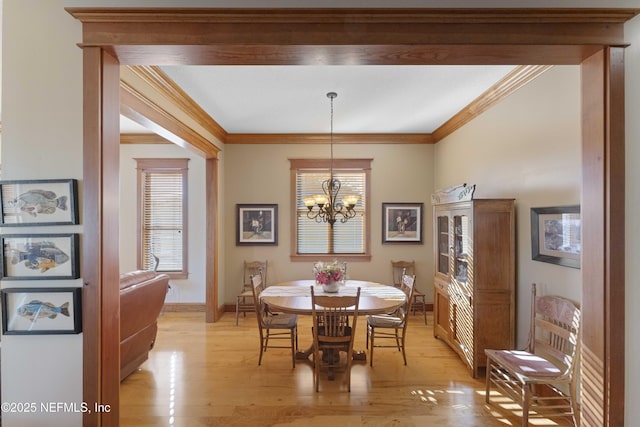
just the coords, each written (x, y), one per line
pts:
(322, 278)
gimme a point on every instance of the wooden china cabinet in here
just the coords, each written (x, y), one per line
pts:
(474, 301)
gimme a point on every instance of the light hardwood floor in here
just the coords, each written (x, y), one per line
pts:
(203, 374)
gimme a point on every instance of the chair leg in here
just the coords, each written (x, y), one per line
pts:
(293, 351)
(487, 389)
(398, 341)
(424, 310)
(402, 340)
(372, 346)
(574, 404)
(262, 345)
(404, 356)
(526, 393)
(348, 373)
(316, 369)
(237, 310)
(366, 346)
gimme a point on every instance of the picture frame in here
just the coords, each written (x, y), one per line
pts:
(40, 256)
(402, 222)
(256, 224)
(555, 235)
(39, 202)
(41, 311)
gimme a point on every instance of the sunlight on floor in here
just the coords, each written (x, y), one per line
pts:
(172, 387)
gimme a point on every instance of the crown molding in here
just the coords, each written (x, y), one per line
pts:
(325, 138)
(138, 107)
(164, 86)
(513, 81)
(353, 15)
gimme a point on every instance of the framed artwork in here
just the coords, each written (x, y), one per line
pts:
(39, 202)
(555, 235)
(402, 222)
(256, 224)
(39, 311)
(40, 256)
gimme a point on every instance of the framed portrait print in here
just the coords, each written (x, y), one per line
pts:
(402, 222)
(39, 311)
(40, 256)
(256, 224)
(555, 235)
(39, 202)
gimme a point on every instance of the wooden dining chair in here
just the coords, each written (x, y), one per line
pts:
(391, 326)
(273, 326)
(418, 300)
(244, 300)
(541, 377)
(332, 332)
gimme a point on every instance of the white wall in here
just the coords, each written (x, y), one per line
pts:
(527, 147)
(191, 289)
(260, 174)
(41, 138)
(632, 225)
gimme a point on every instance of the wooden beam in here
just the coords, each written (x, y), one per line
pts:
(352, 36)
(139, 102)
(142, 138)
(212, 237)
(100, 272)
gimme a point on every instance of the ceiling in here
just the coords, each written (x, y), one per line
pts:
(292, 99)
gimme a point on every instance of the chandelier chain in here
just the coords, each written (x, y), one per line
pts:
(328, 205)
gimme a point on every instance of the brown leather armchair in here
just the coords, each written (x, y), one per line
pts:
(142, 295)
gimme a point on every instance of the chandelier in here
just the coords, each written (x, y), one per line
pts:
(327, 207)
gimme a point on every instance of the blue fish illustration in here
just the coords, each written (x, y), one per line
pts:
(38, 256)
(35, 202)
(35, 309)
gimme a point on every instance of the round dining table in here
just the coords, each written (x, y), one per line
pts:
(295, 297)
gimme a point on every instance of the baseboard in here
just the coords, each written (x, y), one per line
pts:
(185, 307)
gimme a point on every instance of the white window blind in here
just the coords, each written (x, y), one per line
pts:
(163, 214)
(318, 237)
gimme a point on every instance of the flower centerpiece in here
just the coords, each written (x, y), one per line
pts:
(328, 275)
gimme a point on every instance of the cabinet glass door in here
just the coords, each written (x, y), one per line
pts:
(461, 248)
(443, 244)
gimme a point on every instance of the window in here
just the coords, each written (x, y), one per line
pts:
(162, 215)
(314, 239)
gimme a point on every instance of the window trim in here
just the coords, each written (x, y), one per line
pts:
(353, 164)
(159, 165)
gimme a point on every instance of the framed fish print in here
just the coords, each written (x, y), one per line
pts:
(256, 225)
(402, 223)
(39, 202)
(39, 311)
(40, 256)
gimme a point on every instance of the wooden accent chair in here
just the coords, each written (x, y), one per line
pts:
(332, 332)
(418, 301)
(273, 326)
(244, 300)
(543, 376)
(391, 326)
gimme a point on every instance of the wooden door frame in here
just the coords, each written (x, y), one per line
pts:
(585, 37)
